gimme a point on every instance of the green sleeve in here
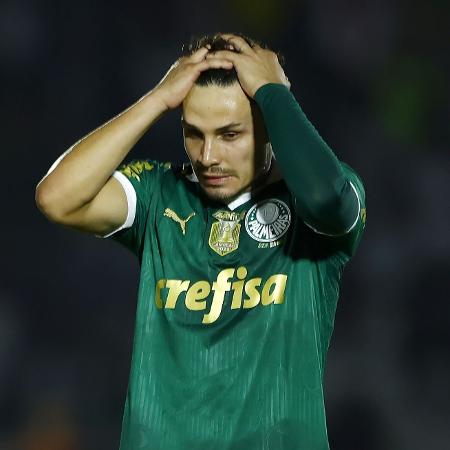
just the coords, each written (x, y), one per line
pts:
(325, 198)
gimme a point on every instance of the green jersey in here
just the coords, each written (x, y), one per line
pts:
(236, 301)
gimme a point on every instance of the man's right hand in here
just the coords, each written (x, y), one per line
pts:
(181, 76)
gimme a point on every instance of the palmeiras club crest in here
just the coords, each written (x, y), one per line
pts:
(224, 235)
(268, 220)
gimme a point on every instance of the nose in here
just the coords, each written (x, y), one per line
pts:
(210, 155)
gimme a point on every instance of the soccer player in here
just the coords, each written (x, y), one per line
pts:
(241, 252)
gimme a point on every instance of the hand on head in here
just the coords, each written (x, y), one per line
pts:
(181, 76)
(255, 66)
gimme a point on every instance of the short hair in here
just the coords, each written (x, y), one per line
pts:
(220, 77)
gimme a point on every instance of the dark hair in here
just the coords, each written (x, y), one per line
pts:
(220, 77)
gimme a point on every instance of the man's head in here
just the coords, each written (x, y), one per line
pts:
(224, 132)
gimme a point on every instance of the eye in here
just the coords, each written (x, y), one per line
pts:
(230, 135)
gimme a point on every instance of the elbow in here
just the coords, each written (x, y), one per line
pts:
(41, 200)
(46, 205)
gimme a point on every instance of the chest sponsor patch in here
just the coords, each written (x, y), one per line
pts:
(268, 220)
(232, 288)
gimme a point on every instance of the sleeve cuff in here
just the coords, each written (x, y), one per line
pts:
(267, 91)
(131, 202)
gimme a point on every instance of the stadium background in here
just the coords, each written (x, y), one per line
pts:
(373, 78)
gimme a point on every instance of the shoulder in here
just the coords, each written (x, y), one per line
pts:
(138, 168)
(158, 178)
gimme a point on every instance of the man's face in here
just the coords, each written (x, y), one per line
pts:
(224, 137)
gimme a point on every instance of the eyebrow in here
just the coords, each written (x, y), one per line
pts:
(218, 130)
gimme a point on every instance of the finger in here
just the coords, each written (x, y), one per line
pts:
(215, 63)
(224, 54)
(239, 43)
(199, 55)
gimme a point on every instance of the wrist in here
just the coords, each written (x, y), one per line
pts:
(269, 86)
(155, 100)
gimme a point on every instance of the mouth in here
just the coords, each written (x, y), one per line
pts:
(215, 180)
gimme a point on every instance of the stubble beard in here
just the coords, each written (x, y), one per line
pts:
(220, 195)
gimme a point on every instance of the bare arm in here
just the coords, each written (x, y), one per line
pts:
(78, 190)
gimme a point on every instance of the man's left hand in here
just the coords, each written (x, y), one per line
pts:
(255, 66)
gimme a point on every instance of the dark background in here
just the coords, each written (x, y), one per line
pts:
(373, 76)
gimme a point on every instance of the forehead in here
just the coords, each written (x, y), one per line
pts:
(215, 106)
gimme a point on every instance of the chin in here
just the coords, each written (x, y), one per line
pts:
(220, 194)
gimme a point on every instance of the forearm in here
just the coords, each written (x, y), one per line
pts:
(79, 174)
(325, 198)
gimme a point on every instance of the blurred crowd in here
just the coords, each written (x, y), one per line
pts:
(372, 76)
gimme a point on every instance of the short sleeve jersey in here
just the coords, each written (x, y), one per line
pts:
(236, 306)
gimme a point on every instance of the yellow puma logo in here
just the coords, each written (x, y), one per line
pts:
(174, 216)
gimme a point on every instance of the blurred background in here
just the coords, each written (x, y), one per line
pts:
(373, 76)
